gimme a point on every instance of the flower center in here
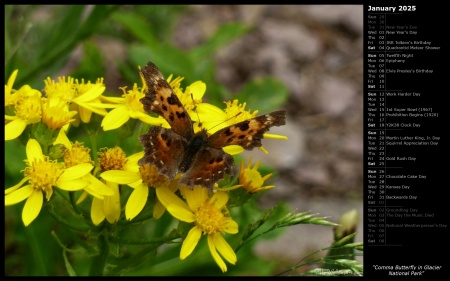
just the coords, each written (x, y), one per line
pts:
(43, 174)
(28, 107)
(77, 154)
(132, 98)
(65, 90)
(234, 108)
(150, 176)
(251, 179)
(112, 159)
(55, 117)
(209, 219)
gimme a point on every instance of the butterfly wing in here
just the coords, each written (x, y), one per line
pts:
(162, 148)
(210, 166)
(248, 133)
(161, 99)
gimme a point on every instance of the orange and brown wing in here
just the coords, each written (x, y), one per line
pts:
(209, 167)
(162, 100)
(164, 149)
(248, 133)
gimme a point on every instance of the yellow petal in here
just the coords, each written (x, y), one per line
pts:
(219, 199)
(190, 242)
(231, 227)
(14, 129)
(166, 197)
(132, 162)
(233, 149)
(96, 107)
(72, 185)
(10, 117)
(63, 139)
(215, 255)
(85, 114)
(158, 121)
(92, 94)
(32, 207)
(136, 201)
(115, 118)
(97, 213)
(135, 184)
(84, 195)
(11, 79)
(98, 186)
(180, 213)
(195, 197)
(198, 89)
(111, 205)
(210, 110)
(76, 172)
(34, 151)
(11, 189)
(113, 99)
(158, 210)
(18, 195)
(274, 136)
(224, 248)
(120, 176)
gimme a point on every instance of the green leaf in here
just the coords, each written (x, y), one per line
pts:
(97, 16)
(92, 64)
(224, 35)
(138, 26)
(55, 41)
(69, 267)
(168, 59)
(264, 94)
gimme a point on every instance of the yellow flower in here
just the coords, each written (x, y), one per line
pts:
(191, 96)
(210, 217)
(42, 174)
(27, 110)
(56, 116)
(83, 98)
(76, 153)
(251, 179)
(88, 99)
(140, 178)
(109, 207)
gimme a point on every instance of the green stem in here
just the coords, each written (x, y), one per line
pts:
(165, 239)
(63, 246)
(94, 149)
(243, 243)
(99, 261)
(300, 265)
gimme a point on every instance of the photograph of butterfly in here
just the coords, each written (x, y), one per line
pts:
(198, 156)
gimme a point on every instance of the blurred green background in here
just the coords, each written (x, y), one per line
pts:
(92, 41)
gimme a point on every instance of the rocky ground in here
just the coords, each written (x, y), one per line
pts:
(317, 51)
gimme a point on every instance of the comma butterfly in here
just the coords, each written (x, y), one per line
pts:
(198, 156)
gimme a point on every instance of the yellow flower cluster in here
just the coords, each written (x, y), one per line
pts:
(43, 118)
